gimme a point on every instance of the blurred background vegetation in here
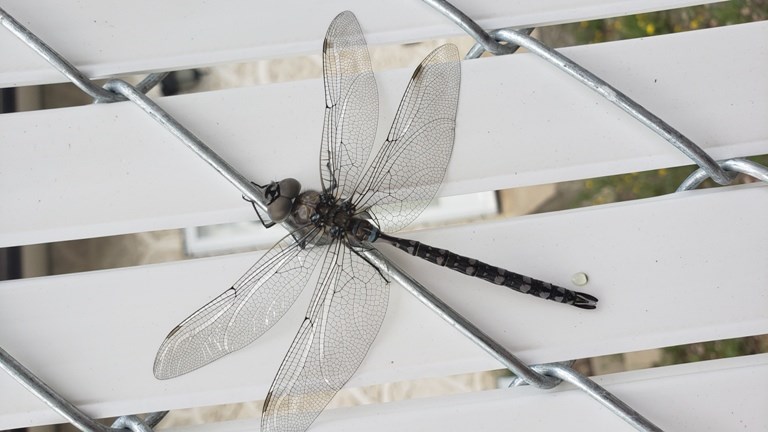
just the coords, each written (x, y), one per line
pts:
(672, 21)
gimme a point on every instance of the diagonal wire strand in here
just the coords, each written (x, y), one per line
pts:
(486, 41)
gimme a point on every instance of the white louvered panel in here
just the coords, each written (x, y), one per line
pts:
(109, 169)
(669, 270)
(105, 39)
(711, 396)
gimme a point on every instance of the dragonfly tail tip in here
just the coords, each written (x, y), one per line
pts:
(585, 301)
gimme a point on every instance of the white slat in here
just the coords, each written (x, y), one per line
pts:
(109, 169)
(668, 270)
(710, 396)
(105, 40)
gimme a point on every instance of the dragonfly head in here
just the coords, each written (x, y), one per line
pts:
(280, 196)
(289, 187)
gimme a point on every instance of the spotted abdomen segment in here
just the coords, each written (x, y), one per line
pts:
(492, 274)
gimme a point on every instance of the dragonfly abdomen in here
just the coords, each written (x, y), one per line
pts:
(492, 274)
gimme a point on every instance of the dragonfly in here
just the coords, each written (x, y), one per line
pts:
(366, 193)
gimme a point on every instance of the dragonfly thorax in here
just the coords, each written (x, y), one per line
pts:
(324, 211)
(305, 208)
(336, 217)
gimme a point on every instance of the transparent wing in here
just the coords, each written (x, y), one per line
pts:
(242, 313)
(408, 169)
(345, 315)
(351, 106)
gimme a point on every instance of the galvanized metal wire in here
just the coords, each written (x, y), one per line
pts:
(67, 410)
(515, 38)
(731, 166)
(541, 376)
(73, 74)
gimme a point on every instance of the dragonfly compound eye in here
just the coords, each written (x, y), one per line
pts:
(290, 187)
(279, 209)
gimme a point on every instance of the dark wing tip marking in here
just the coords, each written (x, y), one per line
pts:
(418, 71)
(173, 332)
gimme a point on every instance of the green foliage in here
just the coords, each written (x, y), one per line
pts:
(671, 21)
(643, 184)
(713, 350)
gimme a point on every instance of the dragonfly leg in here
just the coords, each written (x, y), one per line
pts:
(271, 192)
(253, 204)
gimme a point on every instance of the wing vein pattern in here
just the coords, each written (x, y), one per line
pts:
(343, 319)
(351, 106)
(408, 169)
(243, 312)
(392, 185)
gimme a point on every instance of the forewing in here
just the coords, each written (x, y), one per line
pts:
(409, 168)
(243, 312)
(351, 106)
(345, 315)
